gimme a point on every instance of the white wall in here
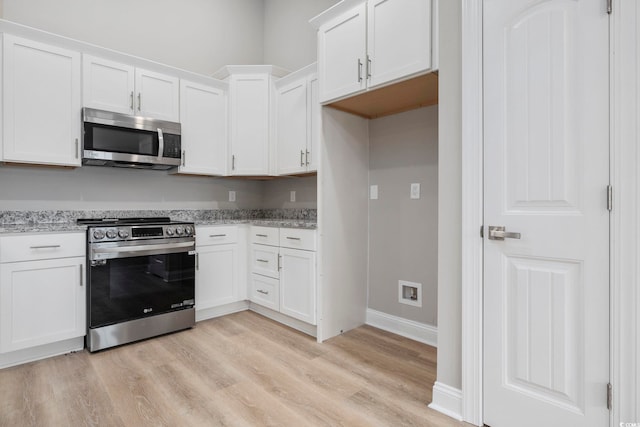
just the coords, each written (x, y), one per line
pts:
(289, 40)
(450, 196)
(277, 193)
(196, 35)
(403, 232)
(101, 188)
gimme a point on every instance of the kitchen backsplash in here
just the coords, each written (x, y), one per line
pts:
(70, 216)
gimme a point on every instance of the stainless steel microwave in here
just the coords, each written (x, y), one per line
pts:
(120, 140)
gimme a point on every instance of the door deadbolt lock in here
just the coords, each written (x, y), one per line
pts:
(497, 232)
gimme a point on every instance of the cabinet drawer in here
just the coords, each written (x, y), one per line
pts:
(265, 235)
(216, 235)
(298, 238)
(265, 291)
(265, 260)
(41, 246)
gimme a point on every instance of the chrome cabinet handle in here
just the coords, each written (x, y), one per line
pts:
(359, 70)
(184, 157)
(81, 278)
(217, 235)
(45, 247)
(139, 101)
(197, 261)
(497, 232)
(262, 260)
(368, 67)
(233, 162)
(262, 292)
(261, 235)
(279, 262)
(307, 158)
(131, 100)
(293, 238)
(301, 158)
(77, 146)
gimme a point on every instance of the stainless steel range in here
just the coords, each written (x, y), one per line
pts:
(141, 279)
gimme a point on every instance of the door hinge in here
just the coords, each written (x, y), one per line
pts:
(609, 198)
(609, 7)
(609, 396)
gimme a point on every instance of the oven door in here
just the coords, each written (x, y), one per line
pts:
(139, 280)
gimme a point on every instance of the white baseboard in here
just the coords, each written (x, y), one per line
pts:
(32, 354)
(407, 328)
(284, 319)
(223, 310)
(447, 400)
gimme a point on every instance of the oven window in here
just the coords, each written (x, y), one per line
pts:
(129, 288)
(112, 139)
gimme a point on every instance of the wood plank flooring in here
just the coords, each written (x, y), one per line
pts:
(237, 370)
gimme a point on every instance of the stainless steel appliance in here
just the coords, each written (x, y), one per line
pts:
(141, 279)
(113, 139)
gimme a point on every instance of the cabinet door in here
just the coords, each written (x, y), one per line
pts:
(249, 112)
(342, 54)
(216, 275)
(203, 112)
(315, 116)
(41, 302)
(291, 127)
(107, 85)
(157, 95)
(41, 109)
(298, 284)
(398, 39)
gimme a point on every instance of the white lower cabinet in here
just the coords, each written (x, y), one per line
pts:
(218, 256)
(283, 277)
(42, 296)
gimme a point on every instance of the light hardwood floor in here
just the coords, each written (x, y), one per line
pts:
(237, 370)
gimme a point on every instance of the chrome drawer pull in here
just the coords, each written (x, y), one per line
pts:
(45, 247)
(293, 238)
(262, 292)
(261, 235)
(262, 260)
(217, 235)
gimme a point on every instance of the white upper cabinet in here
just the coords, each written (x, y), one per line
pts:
(203, 111)
(342, 54)
(315, 122)
(398, 39)
(249, 96)
(114, 86)
(41, 103)
(374, 44)
(297, 117)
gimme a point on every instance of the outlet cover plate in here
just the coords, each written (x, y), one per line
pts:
(415, 190)
(232, 196)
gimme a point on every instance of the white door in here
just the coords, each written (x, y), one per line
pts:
(314, 120)
(342, 53)
(157, 95)
(298, 284)
(216, 276)
(107, 85)
(203, 112)
(546, 163)
(291, 127)
(41, 103)
(398, 39)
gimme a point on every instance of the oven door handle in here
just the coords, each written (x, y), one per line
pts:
(141, 250)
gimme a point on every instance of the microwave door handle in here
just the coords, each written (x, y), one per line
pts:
(160, 143)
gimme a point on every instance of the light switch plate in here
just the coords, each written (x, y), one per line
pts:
(373, 192)
(292, 196)
(415, 190)
(232, 196)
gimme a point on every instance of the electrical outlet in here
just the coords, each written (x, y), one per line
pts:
(292, 196)
(373, 192)
(232, 196)
(415, 190)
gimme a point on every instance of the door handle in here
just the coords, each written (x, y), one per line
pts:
(497, 232)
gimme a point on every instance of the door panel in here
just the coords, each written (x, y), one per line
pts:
(546, 163)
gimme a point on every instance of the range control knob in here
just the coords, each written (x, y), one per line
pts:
(179, 231)
(169, 231)
(123, 234)
(188, 230)
(111, 233)
(98, 234)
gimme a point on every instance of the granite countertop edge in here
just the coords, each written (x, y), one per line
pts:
(73, 227)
